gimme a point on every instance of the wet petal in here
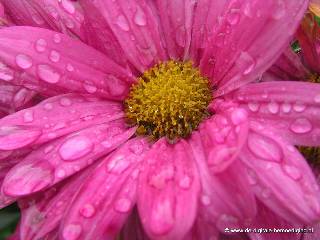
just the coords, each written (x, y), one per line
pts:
(287, 186)
(133, 229)
(226, 200)
(55, 117)
(53, 63)
(61, 158)
(176, 18)
(168, 185)
(248, 39)
(64, 16)
(290, 107)
(136, 30)
(105, 200)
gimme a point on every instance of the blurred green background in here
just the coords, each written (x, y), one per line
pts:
(9, 217)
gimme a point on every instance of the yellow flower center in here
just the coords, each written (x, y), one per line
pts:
(314, 78)
(169, 100)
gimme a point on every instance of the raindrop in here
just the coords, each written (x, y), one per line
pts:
(280, 10)
(61, 173)
(23, 61)
(205, 200)
(233, 17)
(48, 74)
(68, 6)
(65, 101)
(228, 221)
(28, 116)
(298, 107)
(248, 62)
(286, 107)
(57, 38)
(37, 19)
(254, 107)
(75, 147)
(72, 232)
(239, 116)
(70, 68)
(123, 205)
(123, 23)
(48, 106)
(292, 172)
(273, 107)
(317, 98)
(54, 56)
(90, 88)
(301, 125)
(118, 164)
(87, 210)
(41, 45)
(140, 18)
(185, 182)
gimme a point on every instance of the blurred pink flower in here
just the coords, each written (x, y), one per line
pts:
(78, 171)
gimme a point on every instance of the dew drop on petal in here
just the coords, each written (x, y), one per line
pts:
(72, 232)
(23, 61)
(273, 107)
(75, 147)
(298, 107)
(205, 200)
(227, 221)
(118, 164)
(57, 38)
(54, 56)
(87, 210)
(123, 23)
(70, 68)
(233, 17)
(254, 107)
(48, 74)
(65, 101)
(301, 125)
(140, 18)
(48, 106)
(286, 107)
(122, 205)
(60, 173)
(90, 88)
(185, 182)
(41, 45)
(292, 172)
(239, 116)
(317, 98)
(68, 6)
(280, 10)
(28, 116)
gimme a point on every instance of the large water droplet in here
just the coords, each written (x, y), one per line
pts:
(123, 23)
(301, 125)
(299, 107)
(139, 17)
(87, 210)
(90, 88)
(123, 205)
(273, 107)
(233, 17)
(264, 147)
(68, 6)
(54, 56)
(286, 107)
(48, 74)
(23, 61)
(41, 45)
(292, 172)
(72, 232)
(239, 116)
(75, 147)
(254, 107)
(28, 116)
(6, 73)
(118, 164)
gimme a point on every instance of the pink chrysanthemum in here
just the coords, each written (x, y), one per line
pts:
(78, 169)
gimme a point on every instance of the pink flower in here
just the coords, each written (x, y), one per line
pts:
(78, 170)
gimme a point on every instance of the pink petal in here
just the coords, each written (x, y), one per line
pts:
(226, 199)
(206, 18)
(52, 63)
(203, 231)
(136, 30)
(289, 66)
(61, 158)
(282, 179)
(176, 18)
(266, 219)
(55, 117)
(63, 16)
(315, 235)
(248, 39)
(290, 107)
(94, 25)
(42, 212)
(168, 185)
(107, 196)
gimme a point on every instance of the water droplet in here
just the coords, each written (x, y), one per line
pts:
(54, 56)
(41, 45)
(264, 148)
(65, 101)
(115, 86)
(57, 38)
(298, 107)
(70, 68)
(48, 74)
(61, 173)
(69, 23)
(48, 106)
(301, 125)
(280, 10)
(252, 177)
(136, 148)
(273, 107)
(68, 6)
(37, 19)
(248, 62)
(317, 98)
(292, 172)
(72, 232)
(87, 211)
(205, 200)
(123, 23)
(185, 182)
(254, 107)
(139, 17)
(233, 17)
(227, 221)
(23, 61)
(118, 164)
(6, 74)
(90, 88)
(286, 107)
(75, 147)
(239, 116)
(28, 116)
(123, 205)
